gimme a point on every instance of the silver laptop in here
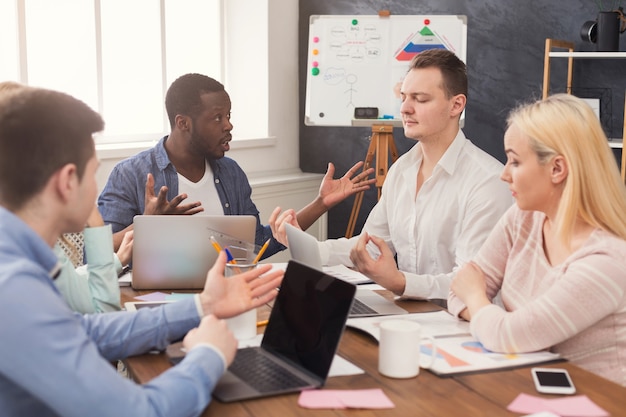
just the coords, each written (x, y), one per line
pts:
(300, 341)
(175, 251)
(304, 249)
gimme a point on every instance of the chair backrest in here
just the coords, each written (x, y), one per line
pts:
(73, 244)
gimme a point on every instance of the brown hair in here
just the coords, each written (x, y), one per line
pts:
(40, 132)
(6, 86)
(453, 70)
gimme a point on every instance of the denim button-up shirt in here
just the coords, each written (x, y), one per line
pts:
(123, 196)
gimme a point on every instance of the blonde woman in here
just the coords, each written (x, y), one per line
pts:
(558, 256)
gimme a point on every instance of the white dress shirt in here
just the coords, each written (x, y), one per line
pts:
(442, 227)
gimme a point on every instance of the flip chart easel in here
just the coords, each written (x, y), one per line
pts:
(381, 146)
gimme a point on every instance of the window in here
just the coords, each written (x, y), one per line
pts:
(120, 56)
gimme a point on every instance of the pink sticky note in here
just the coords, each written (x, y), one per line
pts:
(153, 296)
(579, 406)
(340, 399)
(366, 398)
(525, 403)
(319, 399)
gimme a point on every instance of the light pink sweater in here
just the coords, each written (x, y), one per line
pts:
(577, 308)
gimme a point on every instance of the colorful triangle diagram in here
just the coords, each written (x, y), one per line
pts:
(423, 40)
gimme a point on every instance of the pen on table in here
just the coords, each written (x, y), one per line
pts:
(258, 256)
(216, 245)
(262, 323)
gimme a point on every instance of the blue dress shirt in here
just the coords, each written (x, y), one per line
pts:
(123, 196)
(55, 362)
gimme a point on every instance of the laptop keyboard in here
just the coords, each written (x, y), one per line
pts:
(359, 308)
(262, 373)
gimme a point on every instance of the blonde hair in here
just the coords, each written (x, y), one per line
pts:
(593, 192)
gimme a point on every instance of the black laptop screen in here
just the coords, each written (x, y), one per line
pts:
(308, 318)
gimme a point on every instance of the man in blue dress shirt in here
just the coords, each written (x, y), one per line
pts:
(54, 362)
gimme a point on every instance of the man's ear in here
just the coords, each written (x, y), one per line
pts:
(66, 181)
(458, 104)
(182, 123)
(560, 170)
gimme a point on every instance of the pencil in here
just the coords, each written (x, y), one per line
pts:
(258, 256)
(262, 323)
(216, 245)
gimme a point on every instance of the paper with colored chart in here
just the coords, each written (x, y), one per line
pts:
(464, 354)
(457, 351)
(435, 324)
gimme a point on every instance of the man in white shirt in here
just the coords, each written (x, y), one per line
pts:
(439, 201)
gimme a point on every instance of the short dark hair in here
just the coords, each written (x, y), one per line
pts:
(184, 95)
(453, 70)
(40, 132)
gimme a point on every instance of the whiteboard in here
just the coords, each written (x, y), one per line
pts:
(360, 61)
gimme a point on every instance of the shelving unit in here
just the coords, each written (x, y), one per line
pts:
(570, 55)
(590, 55)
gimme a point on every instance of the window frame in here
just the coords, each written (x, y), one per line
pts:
(261, 156)
(235, 18)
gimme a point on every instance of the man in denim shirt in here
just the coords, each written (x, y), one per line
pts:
(183, 165)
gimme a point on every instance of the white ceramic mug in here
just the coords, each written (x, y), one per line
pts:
(399, 348)
(243, 326)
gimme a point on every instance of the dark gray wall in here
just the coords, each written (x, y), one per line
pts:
(505, 49)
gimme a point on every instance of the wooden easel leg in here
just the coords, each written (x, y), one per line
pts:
(393, 149)
(386, 146)
(382, 158)
(382, 145)
(358, 199)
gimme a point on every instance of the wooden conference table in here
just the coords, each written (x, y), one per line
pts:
(484, 394)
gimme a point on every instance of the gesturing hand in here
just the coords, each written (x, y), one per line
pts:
(277, 222)
(159, 205)
(382, 270)
(333, 191)
(228, 297)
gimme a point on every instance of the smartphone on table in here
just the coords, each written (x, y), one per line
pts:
(552, 381)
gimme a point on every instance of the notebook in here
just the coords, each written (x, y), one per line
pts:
(300, 340)
(303, 248)
(175, 251)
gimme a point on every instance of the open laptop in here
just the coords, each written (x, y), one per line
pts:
(300, 341)
(175, 251)
(304, 248)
